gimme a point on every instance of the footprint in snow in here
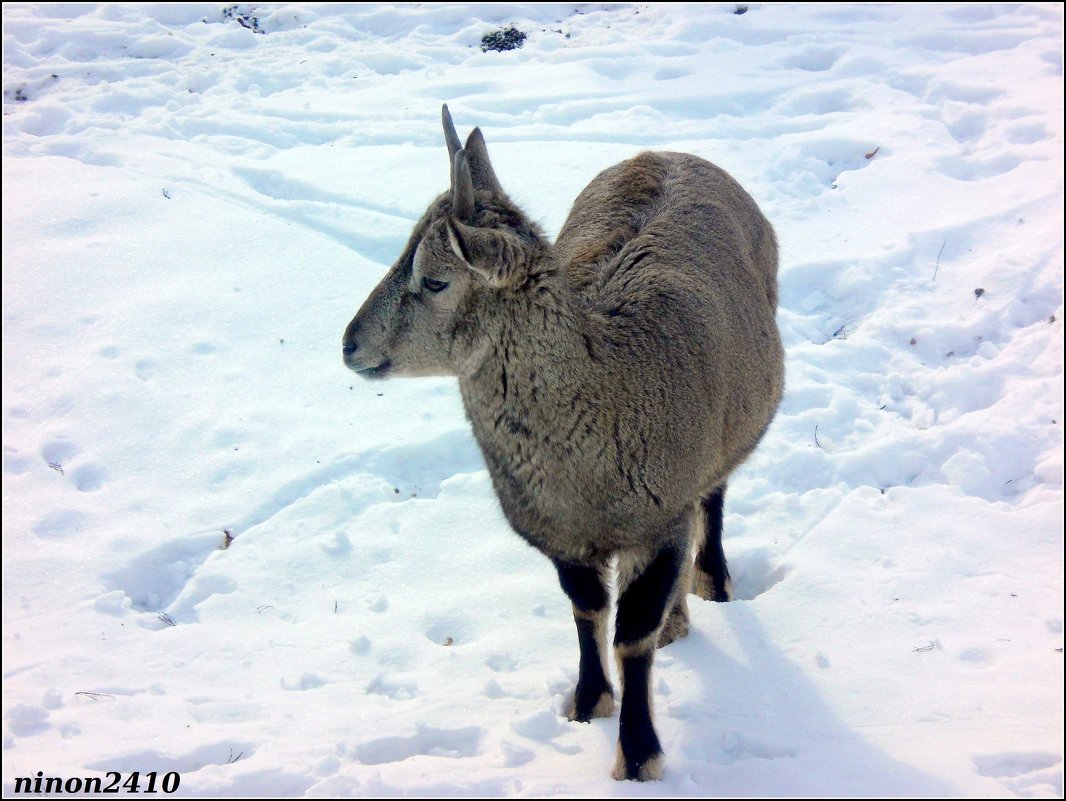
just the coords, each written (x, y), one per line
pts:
(427, 741)
(1025, 773)
(396, 689)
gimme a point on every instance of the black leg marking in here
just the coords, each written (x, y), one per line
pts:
(710, 560)
(642, 607)
(584, 585)
(636, 736)
(642, 604)
(676, 624)
(592, 684)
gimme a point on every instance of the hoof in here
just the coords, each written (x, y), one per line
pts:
(703, 586)
(646, 771)
(673, 629)
(676, 624)
(603, 708)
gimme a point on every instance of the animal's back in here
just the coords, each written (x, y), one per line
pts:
(705, 216)
(674, 256)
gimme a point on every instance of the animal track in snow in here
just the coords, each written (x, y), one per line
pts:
(165, 577)
(974, 42)
(971, 168)
(492, 689)
(515, 756)
(16, 463)
(378, 603)
(448, 629)
(396, 689)
(374, 232)
(1026, 773)
(813, 166)
(428, 741)
(25, 720)
(145, 369)
(1015, 763)
(1027, 133)
(61, 523)
(734, 747)
(422, 467)
(812, 59)
(501, 663)
(218, 753)
(57, 451)
(306, 681)
(155, 578)
(88, 477)
(544, 727)
(57, 454)
(976, 656)
(754, 573)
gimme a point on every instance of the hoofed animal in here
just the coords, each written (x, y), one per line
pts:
(613, 380)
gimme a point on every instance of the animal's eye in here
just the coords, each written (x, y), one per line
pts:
(433, 285)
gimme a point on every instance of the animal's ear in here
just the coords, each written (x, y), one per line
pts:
(501, 258)
(477, 153)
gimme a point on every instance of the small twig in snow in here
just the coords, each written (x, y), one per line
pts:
(938, 259)
(167, 619)
(816, 442)
(923, 648)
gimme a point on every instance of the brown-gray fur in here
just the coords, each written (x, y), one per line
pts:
(612, 380)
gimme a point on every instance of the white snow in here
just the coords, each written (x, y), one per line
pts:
(192, 212)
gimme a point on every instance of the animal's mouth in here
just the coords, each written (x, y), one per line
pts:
(376, 372)
(353, 360)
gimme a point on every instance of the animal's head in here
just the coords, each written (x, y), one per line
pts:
(434, 311)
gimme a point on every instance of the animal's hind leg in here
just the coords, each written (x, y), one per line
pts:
(585, 586)
(710, 575)
(646, 588)
(676, 624)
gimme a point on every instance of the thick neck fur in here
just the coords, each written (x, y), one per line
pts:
(540, 347)
(532, 402)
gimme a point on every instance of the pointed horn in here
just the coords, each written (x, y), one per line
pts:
(450, 136)
(462, 188)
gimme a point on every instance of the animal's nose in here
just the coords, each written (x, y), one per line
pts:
(348, 344)
(348, 348)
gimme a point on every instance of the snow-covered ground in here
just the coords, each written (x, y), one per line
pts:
(192, 212)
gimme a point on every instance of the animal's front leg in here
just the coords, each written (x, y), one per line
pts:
(645, 590)
(587, 591)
